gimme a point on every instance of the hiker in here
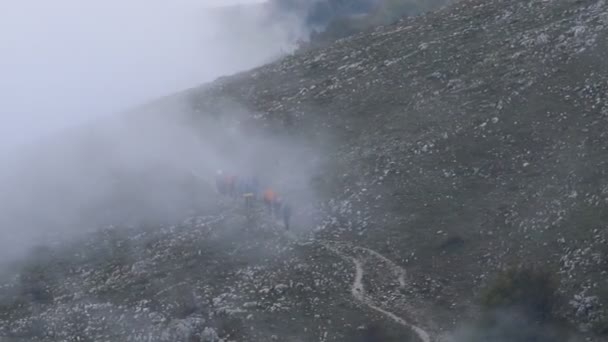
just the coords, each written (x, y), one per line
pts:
(286, 215)
(269, 198)
(248, 196)
(276, 207)
(219, 182)
(247, 193)
(240, 187)
(255, 186)
(231, 186)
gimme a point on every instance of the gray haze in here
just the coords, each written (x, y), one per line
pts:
(67, 65)
(64, 62)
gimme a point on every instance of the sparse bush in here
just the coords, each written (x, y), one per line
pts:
(372, 333)
(517, 307)
(600, 324)
(511, 326)
(183, 304)
(35, 284)
(231, 326)
(530, 290)
(601, 327)
(341, 21)
(452, 242)
(36, 276)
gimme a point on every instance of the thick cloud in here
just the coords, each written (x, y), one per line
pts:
(67, 61)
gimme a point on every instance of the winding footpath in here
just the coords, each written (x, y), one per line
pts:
(358, 290)
(398, 270)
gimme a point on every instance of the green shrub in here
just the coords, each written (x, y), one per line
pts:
(35, 282)
(601, 327)
(533, 291)
(451, 243)
(509, 326)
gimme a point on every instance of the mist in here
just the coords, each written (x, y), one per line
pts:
(65, 62)
(79, 148)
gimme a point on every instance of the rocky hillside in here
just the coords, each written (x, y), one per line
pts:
(460, 142)
(427, 156)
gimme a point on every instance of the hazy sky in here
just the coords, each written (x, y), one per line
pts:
(66, 61)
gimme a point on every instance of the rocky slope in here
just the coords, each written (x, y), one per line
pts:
(481, 124)
(228, 276)
(450, 145)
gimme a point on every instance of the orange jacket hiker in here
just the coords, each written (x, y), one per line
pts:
(269, 196)
(230, 181)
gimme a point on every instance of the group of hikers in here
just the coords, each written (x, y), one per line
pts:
(250, 190)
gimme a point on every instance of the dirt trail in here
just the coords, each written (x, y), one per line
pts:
(358, 289)
(398, 270)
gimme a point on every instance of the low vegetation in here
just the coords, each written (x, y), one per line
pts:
(518, 305)
(529, 290)
(386, 12)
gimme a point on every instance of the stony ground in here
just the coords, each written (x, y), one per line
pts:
(458, 143)
(228, 277)
(452, 145)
